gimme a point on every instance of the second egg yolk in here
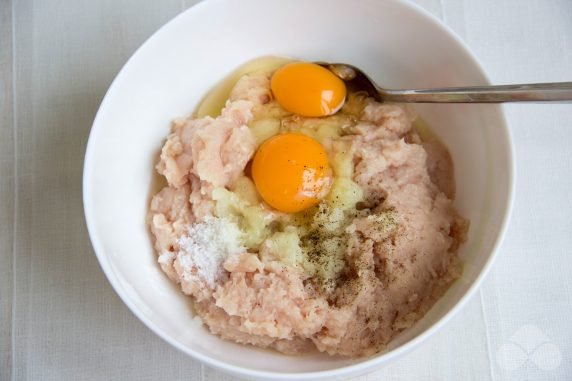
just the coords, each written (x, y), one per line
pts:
(308, 89)
(291, 172)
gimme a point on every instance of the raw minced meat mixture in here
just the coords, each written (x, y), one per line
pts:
(217, 239)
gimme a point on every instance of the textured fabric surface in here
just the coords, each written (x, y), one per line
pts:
(60, 319)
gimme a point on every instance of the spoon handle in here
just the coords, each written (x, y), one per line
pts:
(534, 92)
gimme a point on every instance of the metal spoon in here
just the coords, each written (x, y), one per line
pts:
(356, 80)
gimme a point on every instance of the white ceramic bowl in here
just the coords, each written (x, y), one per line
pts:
(395, 42)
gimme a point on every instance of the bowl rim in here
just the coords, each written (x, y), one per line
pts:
(364, 366)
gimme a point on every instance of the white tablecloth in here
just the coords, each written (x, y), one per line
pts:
(60, 319)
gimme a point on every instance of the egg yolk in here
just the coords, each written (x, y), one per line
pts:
(291, 172)
(308, 89)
